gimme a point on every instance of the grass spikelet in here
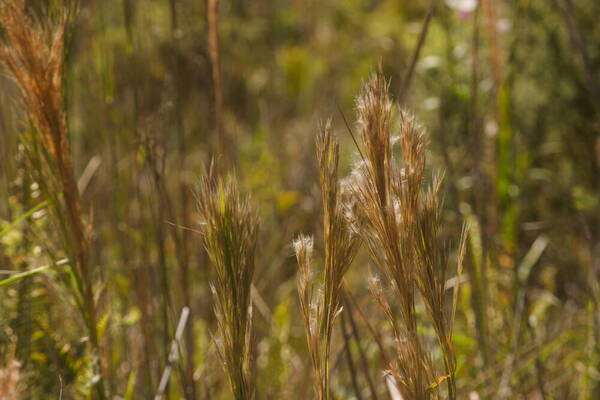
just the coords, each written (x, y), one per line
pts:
(230, 230)
(384, 233)
(33, 53)
(402, 229)
(341, 243)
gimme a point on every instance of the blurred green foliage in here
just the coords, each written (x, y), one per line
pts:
(507, 90)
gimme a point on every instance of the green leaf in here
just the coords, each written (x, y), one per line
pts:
(31, 272)
(23, 217)
(129, 391)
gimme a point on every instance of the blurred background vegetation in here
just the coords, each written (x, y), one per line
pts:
(508, 90)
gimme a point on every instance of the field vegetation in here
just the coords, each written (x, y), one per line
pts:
(345, 199)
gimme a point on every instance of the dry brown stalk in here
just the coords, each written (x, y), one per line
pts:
(401, 224)
(226, 145)
(341, 243)
(10, 377)
(33, 54)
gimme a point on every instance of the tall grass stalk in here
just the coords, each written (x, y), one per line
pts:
(402, 229)
(320, 309)
(230, 230)
(33, 53)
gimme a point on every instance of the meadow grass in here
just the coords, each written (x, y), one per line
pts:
(446, 252)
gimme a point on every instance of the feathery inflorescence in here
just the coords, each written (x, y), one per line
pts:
(341, 243)
(401, 226)
(230, 230)
(33, 56)
(33, 53)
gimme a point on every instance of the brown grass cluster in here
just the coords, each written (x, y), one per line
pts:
(33, 53)
(320, 305)
(400, 221)
(401, 225)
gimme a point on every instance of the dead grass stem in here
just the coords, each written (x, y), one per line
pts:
(320, 306)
